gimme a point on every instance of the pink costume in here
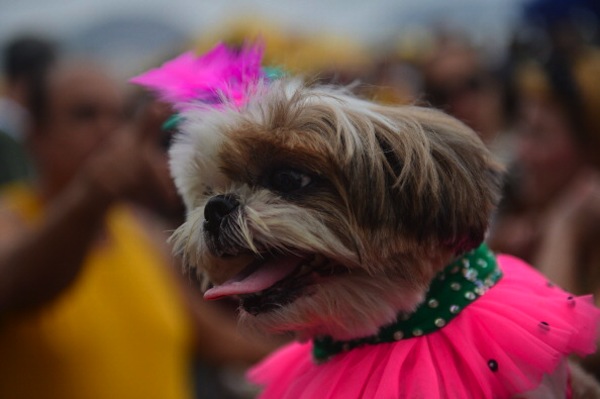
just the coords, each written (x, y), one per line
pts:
(498, 345)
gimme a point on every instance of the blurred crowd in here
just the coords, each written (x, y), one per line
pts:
(92, 304)
(88, 289)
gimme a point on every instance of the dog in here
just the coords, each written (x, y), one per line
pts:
(357, 228)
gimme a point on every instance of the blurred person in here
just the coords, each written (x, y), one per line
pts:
(393, 80)
(323, 57)
(152, 116)
(551, 213)
(90, 305)
(457, 81)
(25, 58)
(562, 23)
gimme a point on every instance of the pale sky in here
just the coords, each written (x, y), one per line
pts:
(368, 22)
(358, 19)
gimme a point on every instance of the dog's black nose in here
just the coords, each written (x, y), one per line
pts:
(217, 208)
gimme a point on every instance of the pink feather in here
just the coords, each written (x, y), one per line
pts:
(222, 76)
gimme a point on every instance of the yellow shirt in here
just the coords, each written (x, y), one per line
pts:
(119, 331)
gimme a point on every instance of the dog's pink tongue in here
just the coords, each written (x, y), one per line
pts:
(260, 278)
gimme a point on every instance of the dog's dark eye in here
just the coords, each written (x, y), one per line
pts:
(288, 180)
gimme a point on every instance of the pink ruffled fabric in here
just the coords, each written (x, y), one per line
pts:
(504, 325)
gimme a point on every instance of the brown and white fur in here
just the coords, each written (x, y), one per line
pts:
(368, 202)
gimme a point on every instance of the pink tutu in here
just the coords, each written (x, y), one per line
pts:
(500, 345)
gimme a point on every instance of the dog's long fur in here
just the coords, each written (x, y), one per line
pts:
(396, 193)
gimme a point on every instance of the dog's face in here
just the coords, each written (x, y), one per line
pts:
(326, 214)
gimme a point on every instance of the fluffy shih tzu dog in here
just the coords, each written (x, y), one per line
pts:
(325, 214)
(357, 228)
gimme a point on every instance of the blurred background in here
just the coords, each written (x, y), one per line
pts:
(130, 35)
(131, 32)
(523, 74)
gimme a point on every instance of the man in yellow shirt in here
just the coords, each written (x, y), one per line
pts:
(88, 305)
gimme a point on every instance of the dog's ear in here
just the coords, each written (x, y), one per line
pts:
(445, 183)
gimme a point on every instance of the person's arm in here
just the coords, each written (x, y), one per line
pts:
(37, 264)
(569, 226)
(558, 255)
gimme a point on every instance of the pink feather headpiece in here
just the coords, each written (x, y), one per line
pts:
(224, 75)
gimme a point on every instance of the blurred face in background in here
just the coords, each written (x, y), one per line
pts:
(83, 108)
(547, 154)
(458, 83)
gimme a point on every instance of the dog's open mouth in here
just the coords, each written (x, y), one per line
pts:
(272, 282)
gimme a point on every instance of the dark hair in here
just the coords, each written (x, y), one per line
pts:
(25, 57)
(559, 73)
(37, 98)
(28, 58)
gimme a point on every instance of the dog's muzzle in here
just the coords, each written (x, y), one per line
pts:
(216, 209)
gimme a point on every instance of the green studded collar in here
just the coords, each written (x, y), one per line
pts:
(454, 288)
